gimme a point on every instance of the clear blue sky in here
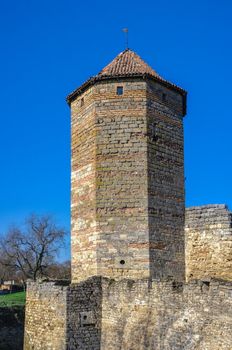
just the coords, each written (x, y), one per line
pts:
(48, 48)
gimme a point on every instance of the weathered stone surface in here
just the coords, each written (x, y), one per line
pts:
(208, 242)
(133, 314)
(84, 315)
(165, 182)
(156, 315)
(45, 320)
(127, 181)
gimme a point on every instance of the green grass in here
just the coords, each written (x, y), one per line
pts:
(13, 299)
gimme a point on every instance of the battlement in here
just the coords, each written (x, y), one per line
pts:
(102, 313)
(208, 215)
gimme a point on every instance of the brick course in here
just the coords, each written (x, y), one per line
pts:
(130, 183)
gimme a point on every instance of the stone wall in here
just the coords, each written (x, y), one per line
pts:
(208, 231)
(84, 314)
(104, 314)
(109, 181)
(45, 319)
(156, 315)
(166, 204)
(61, 316)
(122, 179)
(83, 188)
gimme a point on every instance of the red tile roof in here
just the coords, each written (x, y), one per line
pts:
(125, 65)
(127, 62)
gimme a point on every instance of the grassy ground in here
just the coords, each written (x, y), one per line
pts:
(12, 299)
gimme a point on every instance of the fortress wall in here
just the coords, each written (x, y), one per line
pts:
(208, 231)
(62, 317)
(84, 302)
(45, 319)
(142, 315)
(105, 314)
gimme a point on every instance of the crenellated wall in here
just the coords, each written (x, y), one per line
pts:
(208, 232)
(104, 314)
(155, 315)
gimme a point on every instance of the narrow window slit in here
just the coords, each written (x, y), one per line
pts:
(119, 90)
(164, 97)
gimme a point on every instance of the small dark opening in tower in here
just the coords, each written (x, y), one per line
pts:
(122, 262)
(119, 90)
(85, 317)
(82, 101)
(164, 97)
(177, 286)
(206, 283)
(154, 136)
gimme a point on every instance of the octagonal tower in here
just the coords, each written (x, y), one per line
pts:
(127, 174)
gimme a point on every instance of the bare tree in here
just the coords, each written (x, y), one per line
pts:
(30, 251)
(6, 273)
(60, 271)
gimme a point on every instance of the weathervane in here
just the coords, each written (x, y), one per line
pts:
(125, 30)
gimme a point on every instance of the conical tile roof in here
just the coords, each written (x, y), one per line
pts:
(127, 63)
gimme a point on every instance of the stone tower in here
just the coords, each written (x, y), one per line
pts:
(127, 174)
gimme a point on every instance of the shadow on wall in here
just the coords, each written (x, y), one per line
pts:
(12, 327)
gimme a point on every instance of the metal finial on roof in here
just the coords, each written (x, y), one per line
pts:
(125, 30)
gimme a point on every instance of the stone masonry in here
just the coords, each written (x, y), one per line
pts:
(131, 256)
(127, 314)
(127, 175)
(208, 242)
(45, 320)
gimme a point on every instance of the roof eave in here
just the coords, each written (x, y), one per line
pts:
(96, 79)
